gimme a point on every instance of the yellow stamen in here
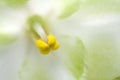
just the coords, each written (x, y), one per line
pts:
(45, 51)
(55, 46)
(45, 47)
(51, 40)
(38, 27)
(42, 45)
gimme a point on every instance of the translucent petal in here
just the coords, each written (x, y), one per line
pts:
(73, 51)
(16, 3)
(11, 57)
(32, 70)
(100, 35)
(101, 5)
(6, 39)
(103, 53)
(11, 24)
(66, 8)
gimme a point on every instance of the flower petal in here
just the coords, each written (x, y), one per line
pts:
(32, 70)
(11, 24)
(66, 8)
(103, 53)
(73, 50)
(100, 35)
(16, 3)
(6, 39)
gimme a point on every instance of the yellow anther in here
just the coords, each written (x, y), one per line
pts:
(42, 45)
(45, 51)
(55, 46)
(51, 40)
(45, 47)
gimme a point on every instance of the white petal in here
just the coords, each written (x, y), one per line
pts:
(12, 22)
(41, 7)
(100, 35)
(11, 56)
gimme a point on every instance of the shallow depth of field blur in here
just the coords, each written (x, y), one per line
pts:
(88, 32)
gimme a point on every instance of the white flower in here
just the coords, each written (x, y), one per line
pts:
(88, 32)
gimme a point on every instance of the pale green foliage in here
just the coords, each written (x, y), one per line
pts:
(117, 78)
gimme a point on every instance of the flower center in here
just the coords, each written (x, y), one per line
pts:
(51, 44)
(45, 41)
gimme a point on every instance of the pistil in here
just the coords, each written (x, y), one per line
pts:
(44, 41)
